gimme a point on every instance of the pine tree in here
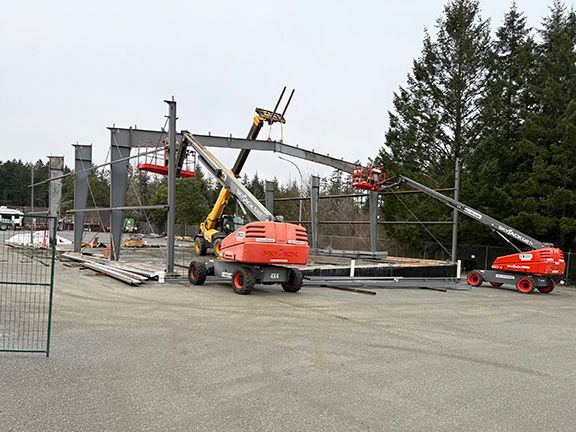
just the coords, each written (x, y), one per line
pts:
(503, 111)
(543, 188)
(436, 117)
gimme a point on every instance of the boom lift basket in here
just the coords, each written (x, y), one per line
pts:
(157, 163)
(368, 178)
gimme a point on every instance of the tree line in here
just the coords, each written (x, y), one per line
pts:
(194, 196)
(502, 103)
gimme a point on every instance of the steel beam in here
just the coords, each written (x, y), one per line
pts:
(100, 209)
(171, 221)
(56, 164)
(148, 138)
(314, 194)
(98, 166)
(277, 147)
(455, 215)
(82, 161)
(364, 195)
(373, 204)
(269, 196)
(120, 145)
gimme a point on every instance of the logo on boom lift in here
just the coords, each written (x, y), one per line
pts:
(516, 235)
(472, 213)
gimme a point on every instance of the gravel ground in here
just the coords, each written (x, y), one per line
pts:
(175, 357)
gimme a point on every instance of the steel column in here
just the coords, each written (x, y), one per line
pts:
(314, 194)
(120, 146)
(455, 215)
(82, 161)
(373, 203)
(56, 164)
(171, 221)
(269, 197)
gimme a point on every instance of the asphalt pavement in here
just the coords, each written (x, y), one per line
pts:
(176, 357)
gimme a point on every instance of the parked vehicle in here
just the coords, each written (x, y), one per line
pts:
(10, 218)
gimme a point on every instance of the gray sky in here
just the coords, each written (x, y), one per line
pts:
(72, 68)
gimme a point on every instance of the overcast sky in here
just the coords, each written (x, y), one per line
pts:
(72, 68)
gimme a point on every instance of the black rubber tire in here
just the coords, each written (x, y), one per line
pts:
(525, 286)
(200, 246)
(548, 288)
(474, 278)
(243, 281)
(217, 246)
(294, 281)
(197, 273)
(3, 227)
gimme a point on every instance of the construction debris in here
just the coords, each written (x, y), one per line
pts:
(39, 239)
(94, 243)
(133, 242)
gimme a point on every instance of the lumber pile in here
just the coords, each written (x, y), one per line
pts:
(133, 242)
(120, 271)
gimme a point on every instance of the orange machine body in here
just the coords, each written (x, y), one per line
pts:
(538, 262)
(267, 243)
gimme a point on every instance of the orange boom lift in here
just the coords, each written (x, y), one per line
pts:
(258, 252)
(528, 270)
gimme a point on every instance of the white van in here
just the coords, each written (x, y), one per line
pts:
(10, 218)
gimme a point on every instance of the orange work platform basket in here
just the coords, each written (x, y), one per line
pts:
(157, 162)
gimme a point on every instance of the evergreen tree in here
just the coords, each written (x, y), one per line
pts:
(436, 117)
(543, 188)
(256, 186)
(192, 200)
(503, 111)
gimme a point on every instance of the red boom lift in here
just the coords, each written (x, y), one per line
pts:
(528, 270)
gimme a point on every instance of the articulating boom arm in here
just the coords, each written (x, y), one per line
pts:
(227, 179)
(496, 225)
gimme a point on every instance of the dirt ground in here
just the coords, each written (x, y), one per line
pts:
(176, 357)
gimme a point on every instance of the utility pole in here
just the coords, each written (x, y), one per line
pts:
(455, 214)
(170, 223)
